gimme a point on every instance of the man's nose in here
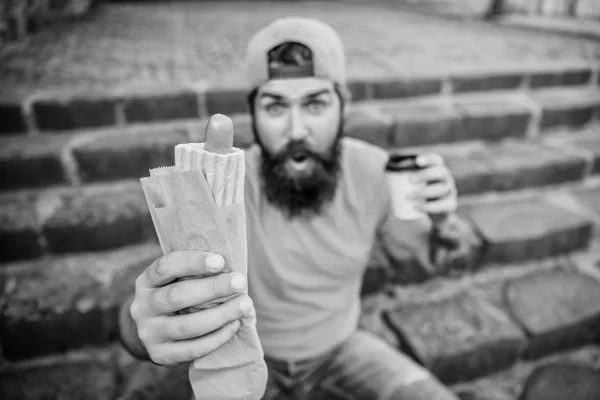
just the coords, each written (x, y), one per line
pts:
(297, 129)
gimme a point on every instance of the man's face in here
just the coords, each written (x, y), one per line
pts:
(298, 126)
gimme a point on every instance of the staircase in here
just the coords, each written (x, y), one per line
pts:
(523, 145)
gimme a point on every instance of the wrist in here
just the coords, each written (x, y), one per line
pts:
(443, 230)
(439, 220)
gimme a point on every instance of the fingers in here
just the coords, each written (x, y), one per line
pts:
(181, 264)
(188, 350)
(437, 192)
(432, 174)
(434, 191)
(203, 322)
(444, 205)
(195, 291)
(184, 338)
(429, 159)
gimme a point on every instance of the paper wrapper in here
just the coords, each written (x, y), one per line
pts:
(198, 204)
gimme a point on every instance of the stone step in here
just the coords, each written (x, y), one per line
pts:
(472, 334)
(571, 375)
(514, 227)
(111, 210)
(476, 345)
(85, 374)
(518, 163)
(100, 372)
(66, 301)
(90, 155)
(74, 219)
(472, 326)
(68, 109)
(116, 153)
(108, 373)
(57, 303)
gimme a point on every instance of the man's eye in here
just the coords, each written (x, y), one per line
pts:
(275, 109)
(316, 106)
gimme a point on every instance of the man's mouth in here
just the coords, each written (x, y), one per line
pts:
(299, 161)
(301, 157)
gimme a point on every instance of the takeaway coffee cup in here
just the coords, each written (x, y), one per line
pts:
(399, 170)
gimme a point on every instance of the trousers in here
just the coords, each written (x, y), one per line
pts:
(364, 367)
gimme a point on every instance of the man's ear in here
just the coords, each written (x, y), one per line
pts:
(347, 109)
(346, 97)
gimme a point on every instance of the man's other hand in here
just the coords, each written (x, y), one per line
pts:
(175, 282)
(437, 194)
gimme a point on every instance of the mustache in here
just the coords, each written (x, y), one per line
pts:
(300, 194)
(300, 148)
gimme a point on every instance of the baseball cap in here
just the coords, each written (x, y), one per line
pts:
(319, 52)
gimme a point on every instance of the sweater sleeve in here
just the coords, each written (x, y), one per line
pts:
(417, 250)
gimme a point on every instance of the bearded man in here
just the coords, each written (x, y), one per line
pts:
(316, 203)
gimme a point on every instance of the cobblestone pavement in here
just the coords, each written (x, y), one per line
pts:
(182, 42)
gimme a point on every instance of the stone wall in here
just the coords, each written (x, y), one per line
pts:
(589, 9)
(573, 8)
(18, 18)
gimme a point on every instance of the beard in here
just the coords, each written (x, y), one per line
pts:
(305, 192)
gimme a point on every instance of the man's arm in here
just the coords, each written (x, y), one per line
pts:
(439, 242)
(419, 249)
(455, 245)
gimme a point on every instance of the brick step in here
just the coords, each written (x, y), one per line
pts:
(98, 373)
(59, 302)
(515, 227)
(118, 153)
(475, 325)
(486, 116)
(85, 374)
(573, 375)
(100, 215)
(74, 219)
(107, 373)
(66, 110)
(511, 164)
(552, 307)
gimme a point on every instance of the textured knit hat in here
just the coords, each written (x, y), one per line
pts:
(323, 55)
